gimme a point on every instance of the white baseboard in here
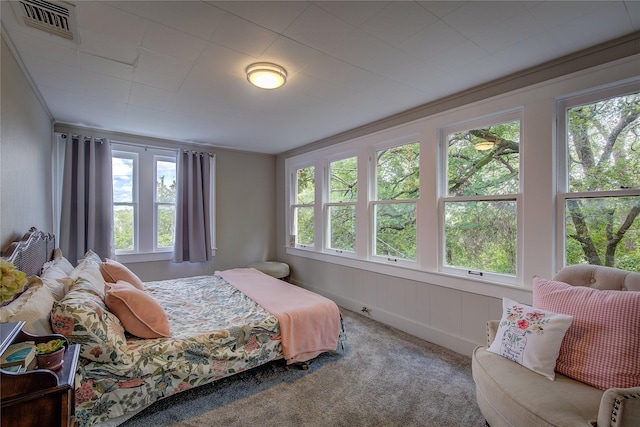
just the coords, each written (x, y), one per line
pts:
(422, 331)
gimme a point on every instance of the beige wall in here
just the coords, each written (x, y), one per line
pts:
(25, 155)
(245, 185)
(443, 308)
(245, 217)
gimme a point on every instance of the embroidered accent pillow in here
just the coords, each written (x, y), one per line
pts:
(139, 313)
(530, 336)
(602, 346)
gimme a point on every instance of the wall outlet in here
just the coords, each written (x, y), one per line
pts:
(292, 240)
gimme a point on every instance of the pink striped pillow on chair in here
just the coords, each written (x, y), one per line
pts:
(602, 346)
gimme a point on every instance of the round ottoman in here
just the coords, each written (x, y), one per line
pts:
(279, 270)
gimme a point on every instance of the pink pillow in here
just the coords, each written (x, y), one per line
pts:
(138, 312)
(112, 271)
(602, 346)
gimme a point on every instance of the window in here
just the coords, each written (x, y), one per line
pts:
(479, 207)
(144, 201)
(303, 233)
(599, 180)
(341, 209)
(396, 196)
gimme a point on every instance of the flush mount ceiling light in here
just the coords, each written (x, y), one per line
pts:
(266, 75)
(484, 145)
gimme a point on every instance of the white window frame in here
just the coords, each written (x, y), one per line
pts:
(145, 247)
(133, 156)
(373, 201)
(156, 205)
(293, 205)
(328, 204)
(494, 119)
(563, 104)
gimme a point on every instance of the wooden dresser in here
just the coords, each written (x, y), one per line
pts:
(39, 397)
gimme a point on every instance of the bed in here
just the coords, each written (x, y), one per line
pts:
(144, 341)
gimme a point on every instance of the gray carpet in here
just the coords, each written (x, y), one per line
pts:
(384, 377)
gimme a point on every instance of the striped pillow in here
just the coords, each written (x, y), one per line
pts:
(602, 346)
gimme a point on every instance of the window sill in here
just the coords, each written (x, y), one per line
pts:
(143, 257)
(452, 281)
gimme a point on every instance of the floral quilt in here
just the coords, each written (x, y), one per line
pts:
(216, 331)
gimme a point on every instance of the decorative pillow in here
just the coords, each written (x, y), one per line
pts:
(84, 319)
(60, 265)
(140, 314)
(92, 257)
(55, 286)
(602, 346)
(530, 337)
(112, 271)
(90, 271)
(33, 306)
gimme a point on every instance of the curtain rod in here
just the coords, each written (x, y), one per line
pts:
(145, 146)
(86, 137)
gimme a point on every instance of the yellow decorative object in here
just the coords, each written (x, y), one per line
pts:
(12, 281)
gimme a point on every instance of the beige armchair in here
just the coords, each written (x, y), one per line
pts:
(509, 394)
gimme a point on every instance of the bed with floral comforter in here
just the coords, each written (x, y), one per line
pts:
(244, 336)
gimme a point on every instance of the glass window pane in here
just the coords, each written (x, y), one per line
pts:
(481, 235)
(604, 144)
(305, 186)
(165, 182)
(122, 171)
(484, 161)
(342, 223)
(166, 215)
(123, 227)
(396, 230)
(343, 184)
(603, 231)
(398, 172)
(304, 225)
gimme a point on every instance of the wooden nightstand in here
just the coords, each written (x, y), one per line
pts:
(38, 397)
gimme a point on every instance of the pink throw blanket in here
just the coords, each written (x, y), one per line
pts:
(309, 323)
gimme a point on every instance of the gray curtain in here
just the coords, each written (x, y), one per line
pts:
(87, 208)
(193, 208)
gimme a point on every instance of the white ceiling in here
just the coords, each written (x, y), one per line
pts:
(175, 69)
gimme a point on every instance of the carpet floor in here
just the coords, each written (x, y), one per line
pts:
(383, 377)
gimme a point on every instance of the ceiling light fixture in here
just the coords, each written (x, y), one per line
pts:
(266, 75)
(484, 145)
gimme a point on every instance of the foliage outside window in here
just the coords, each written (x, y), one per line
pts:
(144, 199)
(602, 198)
(165, 200)
(304, 206)
(125, 206)
(343, 195)
(480, 207)
(395, 207)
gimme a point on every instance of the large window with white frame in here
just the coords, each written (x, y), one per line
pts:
(395, 202)
(480, 192)
(341, 205)
(144, 201)
(303, 207)
(599, 178)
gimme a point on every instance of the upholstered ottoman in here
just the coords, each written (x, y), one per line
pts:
(279, 270)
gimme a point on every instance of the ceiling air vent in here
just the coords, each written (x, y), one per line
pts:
(54, 17)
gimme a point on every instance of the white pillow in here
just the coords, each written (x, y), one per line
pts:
(59, 267)
(89, 270)
(530, 336)
(33, 306)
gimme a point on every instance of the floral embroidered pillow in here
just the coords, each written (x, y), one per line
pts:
(530, 336)
(84, 319)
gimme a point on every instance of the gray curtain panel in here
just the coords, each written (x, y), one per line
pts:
(193, 216)
(87, 207)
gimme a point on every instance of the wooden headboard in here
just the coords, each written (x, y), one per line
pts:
(31, 252)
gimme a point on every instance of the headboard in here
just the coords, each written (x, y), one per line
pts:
(31, 252)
